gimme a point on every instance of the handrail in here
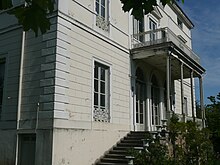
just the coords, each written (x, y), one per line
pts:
(162, 35)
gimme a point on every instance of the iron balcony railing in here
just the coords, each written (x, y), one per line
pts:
(159, 36)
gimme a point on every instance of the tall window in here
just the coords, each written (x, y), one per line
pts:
(101, 7)
(155, 101)
(152, 27)
(138, 28)
(101, 93)
(2, 75)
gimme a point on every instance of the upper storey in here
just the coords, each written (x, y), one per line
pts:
(103, 17)
(108, 19)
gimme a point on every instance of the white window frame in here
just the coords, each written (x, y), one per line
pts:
(108, 102)
(106, 8)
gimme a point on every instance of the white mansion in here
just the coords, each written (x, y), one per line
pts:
(68, 96)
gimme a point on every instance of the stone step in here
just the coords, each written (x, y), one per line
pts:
(121, 152)
(126, 148)
(121, 156)
(114, 160)
(105, 163)
(130, 144)
(132, 141)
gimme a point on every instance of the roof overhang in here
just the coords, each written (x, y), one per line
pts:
(156, 56)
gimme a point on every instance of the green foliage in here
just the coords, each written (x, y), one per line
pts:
(32, 14)
(213, 120)
(187, 144)
(139, 8)
(155, 154)
(5, 4)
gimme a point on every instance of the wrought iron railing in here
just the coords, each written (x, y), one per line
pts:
(161, 36)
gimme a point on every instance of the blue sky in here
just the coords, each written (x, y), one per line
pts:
(206, 40)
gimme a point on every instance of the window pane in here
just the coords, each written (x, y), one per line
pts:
(96, 71)
(103, 100)
(103, 2)
(156, 112)
(103, 74)
(153, 115)
(157, 120)
(137, 112)
(141, 118)
(137, 121)
(95, 98)
(102, 87)
(103, 11)
(96, 85)
(141, 107)
(141, 25)
(135, 26)
(97, 7)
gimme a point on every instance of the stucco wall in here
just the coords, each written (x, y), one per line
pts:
(78, 48)
(84, 147)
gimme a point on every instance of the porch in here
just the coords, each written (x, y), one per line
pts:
(170, 55)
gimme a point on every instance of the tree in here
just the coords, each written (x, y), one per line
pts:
(33, 14)
(213, 120)
(139, 8)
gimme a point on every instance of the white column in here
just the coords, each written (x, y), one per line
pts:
(192, 95)
(148, 107)
(162, 112)
(182, 91)
(168, 85)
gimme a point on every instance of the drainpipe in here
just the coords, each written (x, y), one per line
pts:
(20, 91)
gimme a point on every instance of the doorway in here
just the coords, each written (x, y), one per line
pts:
(140, 102)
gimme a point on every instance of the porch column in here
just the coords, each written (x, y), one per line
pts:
(182, 92)
(162, 112)
(202, 100)
(192, 95)
(168, 86)
(148, 108)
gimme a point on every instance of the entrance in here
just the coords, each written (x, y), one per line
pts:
(140, 101)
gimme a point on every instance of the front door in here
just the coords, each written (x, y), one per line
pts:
(140, 106)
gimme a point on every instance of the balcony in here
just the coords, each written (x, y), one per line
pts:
(160, 36)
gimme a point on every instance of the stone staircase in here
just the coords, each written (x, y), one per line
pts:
(117, 155)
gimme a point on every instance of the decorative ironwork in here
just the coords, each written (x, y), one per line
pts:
(102, 23)
(101, 114)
